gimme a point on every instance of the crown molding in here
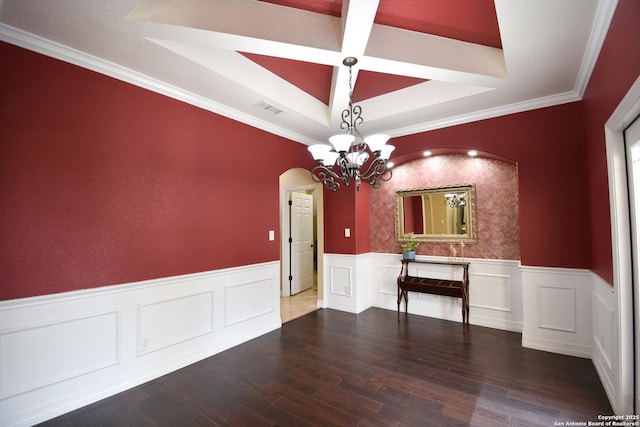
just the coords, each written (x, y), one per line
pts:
(489, 113)
(64, 53)
(601, 23)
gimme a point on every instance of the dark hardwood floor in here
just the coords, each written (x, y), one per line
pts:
(331, 368)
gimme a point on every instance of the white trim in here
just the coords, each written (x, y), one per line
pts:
(489, 113)
(117, 289)
(627, 110)
(605, 339)
(601, 23)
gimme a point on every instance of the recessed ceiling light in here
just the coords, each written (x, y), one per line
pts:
(472, 153)
(426, 153)
(389, 165)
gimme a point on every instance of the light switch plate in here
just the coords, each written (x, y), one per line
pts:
(347, 232)
(272, 235)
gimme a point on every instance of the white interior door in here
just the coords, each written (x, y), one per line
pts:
(632, 146)
(301, 242)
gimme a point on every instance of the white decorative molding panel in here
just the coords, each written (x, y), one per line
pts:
(53, 351)
(172, 321)
(64, 351)
(557, 310)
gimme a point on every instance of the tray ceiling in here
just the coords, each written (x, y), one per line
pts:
(277, 64)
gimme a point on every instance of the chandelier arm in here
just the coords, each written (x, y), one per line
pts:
(326, 176)
(376, 169)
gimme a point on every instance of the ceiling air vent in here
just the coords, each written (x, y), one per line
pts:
(268, 107)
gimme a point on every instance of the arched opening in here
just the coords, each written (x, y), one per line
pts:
(298, 181)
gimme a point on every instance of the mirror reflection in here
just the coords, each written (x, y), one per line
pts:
(437, 214)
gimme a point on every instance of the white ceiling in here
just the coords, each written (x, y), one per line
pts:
(188, 50)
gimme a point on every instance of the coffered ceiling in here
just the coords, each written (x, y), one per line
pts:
(277, 64)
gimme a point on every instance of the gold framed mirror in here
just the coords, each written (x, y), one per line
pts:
(437, 214)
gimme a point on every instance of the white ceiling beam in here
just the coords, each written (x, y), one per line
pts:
(437, 56)
(248, 25)
(357, 24)
(272, 30)
(242, 70)
(357, 21)
(415, 97)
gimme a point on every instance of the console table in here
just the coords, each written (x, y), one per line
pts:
(451, 288)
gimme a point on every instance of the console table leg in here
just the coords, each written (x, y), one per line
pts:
(406, 302)
(465, 312)
(405, 295)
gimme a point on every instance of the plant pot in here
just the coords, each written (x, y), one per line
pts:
(411, 255)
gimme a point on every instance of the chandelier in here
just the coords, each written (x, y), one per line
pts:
(454, 200)
(348, 159)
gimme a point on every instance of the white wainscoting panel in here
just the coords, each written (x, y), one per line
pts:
(64, 351)
(349, 286)
(386, 277)
(29, 356)
(492, 292)
(341, 281)
(171, 321)
(557, 310)
(495, 291)
(247, 300)
(605, 342)
(556, 307)
(339, 271)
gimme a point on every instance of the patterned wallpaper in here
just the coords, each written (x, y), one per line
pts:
(496, 204)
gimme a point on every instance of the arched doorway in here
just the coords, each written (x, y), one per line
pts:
(298, 182)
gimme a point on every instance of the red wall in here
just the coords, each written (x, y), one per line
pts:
(496, 186)
(363, 242)
(347, 208)
(617, 68)
(548, 146)
(106, 183)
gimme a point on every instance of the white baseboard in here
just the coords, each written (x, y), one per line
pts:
(557, 347)
(64, 351)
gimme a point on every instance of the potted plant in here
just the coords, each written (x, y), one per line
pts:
(409, 247)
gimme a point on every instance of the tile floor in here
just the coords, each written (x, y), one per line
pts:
(299, 304)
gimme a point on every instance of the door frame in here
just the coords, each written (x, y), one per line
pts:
(625, 113)
(317, 192)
